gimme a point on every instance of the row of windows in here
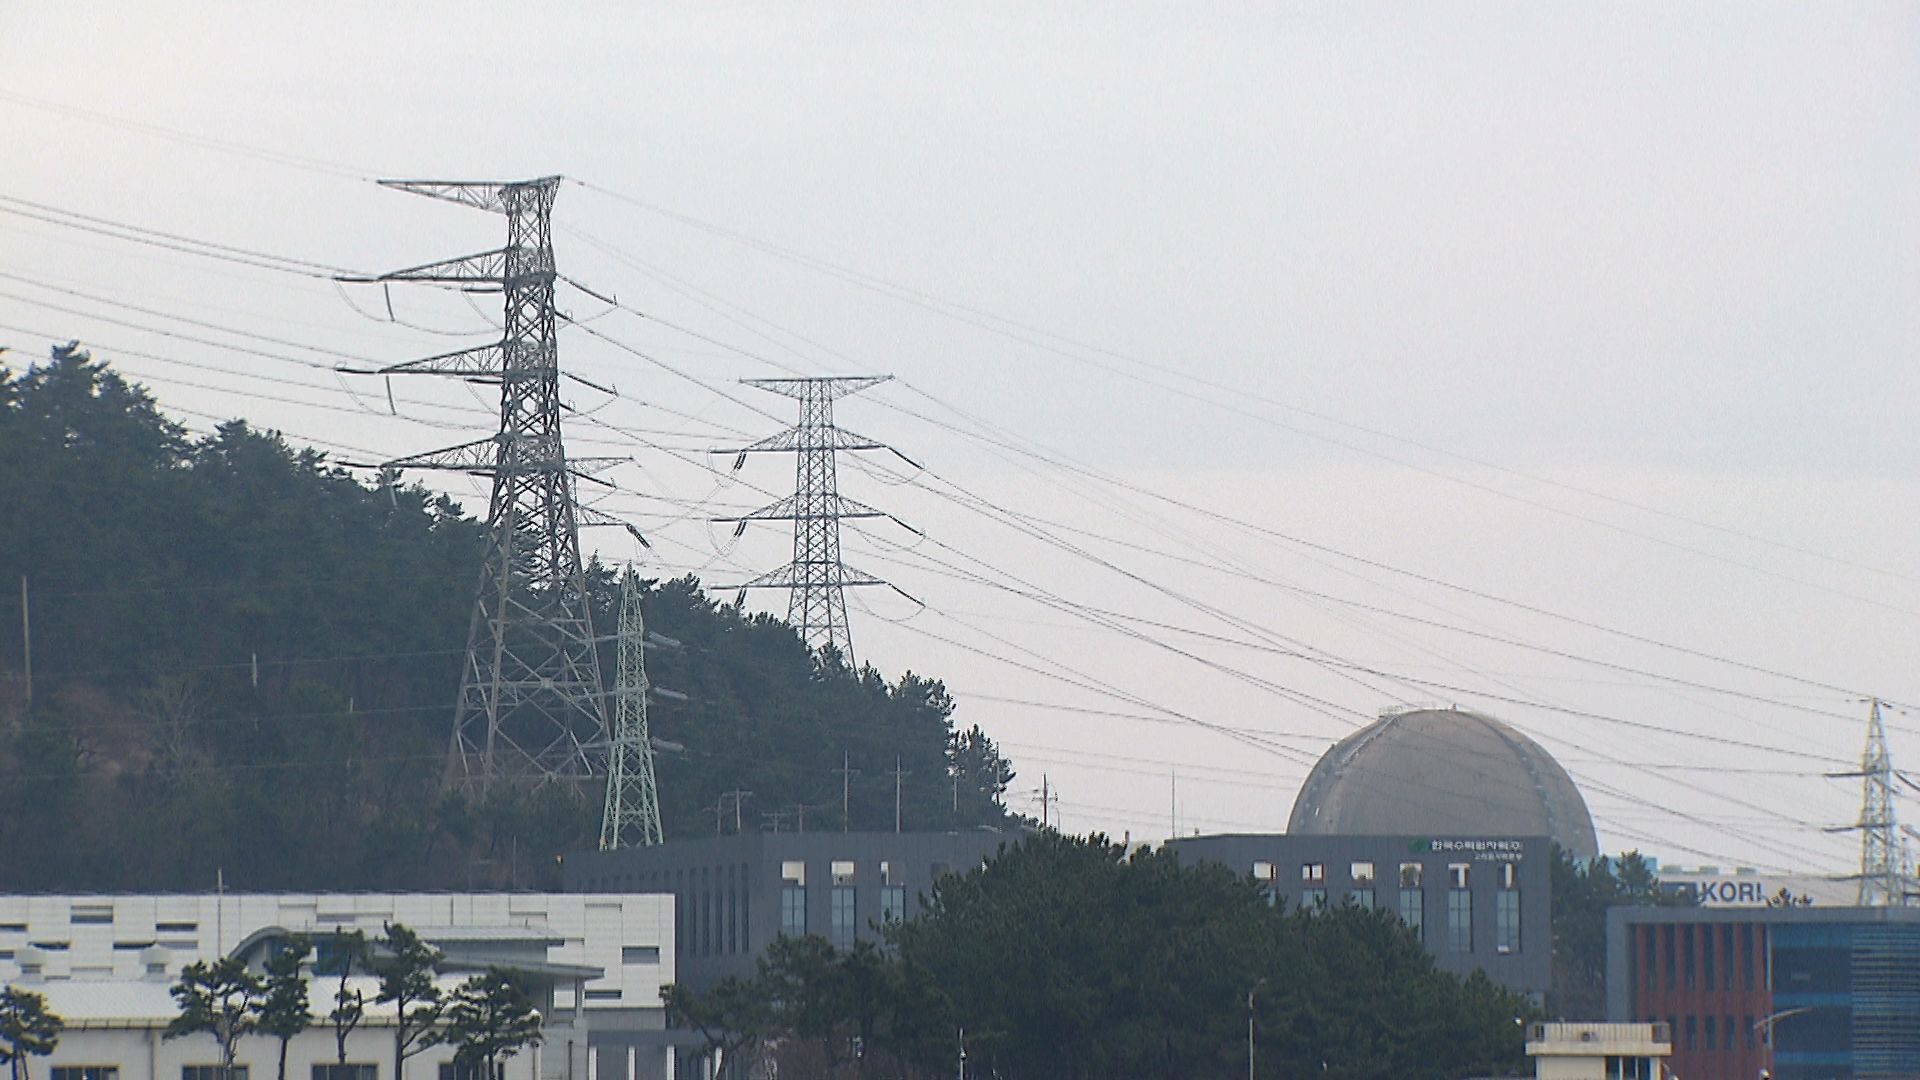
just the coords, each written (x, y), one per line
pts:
(1630, 1068)
(843, 911)
(327, 1071)
(1720, 1033)
(1411, 874)
(1506, 915)
(1701, 957)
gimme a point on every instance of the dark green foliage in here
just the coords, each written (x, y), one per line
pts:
(221, 999)
(245, 659)
(406, 967)
(1071, 958)
(1582, 893)
(349, 952)
(27, 1029)
(284, 1011)
(490, 1019)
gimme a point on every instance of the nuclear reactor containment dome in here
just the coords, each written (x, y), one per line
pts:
(1442, 772)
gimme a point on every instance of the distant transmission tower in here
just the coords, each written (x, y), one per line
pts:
(1882, 880)
(816, 578)
(632, 816)
(530, 706)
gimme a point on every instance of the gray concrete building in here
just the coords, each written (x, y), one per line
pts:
(1476, 902)
(735, 894)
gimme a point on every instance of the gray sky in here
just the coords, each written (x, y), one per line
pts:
(1605, 310)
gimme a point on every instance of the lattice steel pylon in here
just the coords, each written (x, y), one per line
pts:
(530, 707)
(632, 814)
(1882, 877)
(816, 579)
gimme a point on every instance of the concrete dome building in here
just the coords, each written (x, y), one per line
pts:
(1442, 772)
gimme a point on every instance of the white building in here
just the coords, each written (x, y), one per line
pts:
(106, 963)
(1582, 1051)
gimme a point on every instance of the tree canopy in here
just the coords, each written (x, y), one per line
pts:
(1075, 958)
(244, 657)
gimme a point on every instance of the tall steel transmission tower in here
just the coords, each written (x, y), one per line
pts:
(530, 707)
(816, 578)
(1882, 877)
(632, 815)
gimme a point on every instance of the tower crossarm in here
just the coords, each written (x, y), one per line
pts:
(795, 508)
(795, 575)
(799, 438)
(587, 515)
(825, 386)
(495, 196)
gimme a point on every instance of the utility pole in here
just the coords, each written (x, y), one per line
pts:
(1880, 871)
(1046, 802)
(631, 817)
(530, 704)
(847, 773)
(739, 798)
(816, 579)
(898, 776)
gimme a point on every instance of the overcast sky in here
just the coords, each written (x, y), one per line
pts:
(1606, 310)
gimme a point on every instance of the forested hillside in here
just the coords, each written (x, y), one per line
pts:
(244, 660)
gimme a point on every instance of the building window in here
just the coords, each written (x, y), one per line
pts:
(1727, 1034)
(1313, 873)
(1413, 908)
(1746, 1025)
(1747, 960)
(1313, 899)
(1268, 877)
(1362, 899)
(452, 1070)
(793, 911)
(212, 1072)
(640, 954)
(1459, 920)
(1458, 874)
(1410, 874)
(1693, 1033)
(842, 925)
(793, 899)
(1362, 875)
(893, 903)
(332, 1071)
(1506, 922)
(1686, 953)
(1629, 1068)
(1713, 1032)
(1666, 939)
(1726, 957)
(86, 1072)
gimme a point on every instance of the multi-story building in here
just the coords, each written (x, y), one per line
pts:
(734, 894)
(1590, 1051)
(1798, 993)
(106, 963)
(1477, 903)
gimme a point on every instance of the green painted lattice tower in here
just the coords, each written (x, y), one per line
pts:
(632, 814)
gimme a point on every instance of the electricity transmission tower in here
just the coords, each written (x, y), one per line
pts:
(632, 815)
(816, 578)
(530, 707)
(1882, 877)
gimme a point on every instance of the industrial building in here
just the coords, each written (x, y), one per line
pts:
(105, 964)
(732, 895)
(1442, 772)
(1478, 903)
(1798, 993)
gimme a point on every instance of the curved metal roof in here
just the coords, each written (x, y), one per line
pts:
(1443, 772)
